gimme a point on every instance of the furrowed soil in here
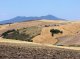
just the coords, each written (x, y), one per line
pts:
(35, 51)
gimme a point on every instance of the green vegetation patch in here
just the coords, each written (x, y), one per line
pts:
(25, 34)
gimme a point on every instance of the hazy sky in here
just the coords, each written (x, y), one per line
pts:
(66, 9)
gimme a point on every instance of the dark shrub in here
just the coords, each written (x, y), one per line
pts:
(6, 33)
(14, 34)
(46, 25)
(55, 31)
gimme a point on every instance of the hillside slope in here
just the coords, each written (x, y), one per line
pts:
(20, 25)
(70, 35)
(45, 37)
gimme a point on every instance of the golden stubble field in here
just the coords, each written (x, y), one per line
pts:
(70, 30)
(70, 34)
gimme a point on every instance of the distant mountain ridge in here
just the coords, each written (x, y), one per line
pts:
(23, 18)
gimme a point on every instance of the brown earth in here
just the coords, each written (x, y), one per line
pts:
(14, 49)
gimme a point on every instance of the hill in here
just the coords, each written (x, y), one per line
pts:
(70, 35)
(23, 18)
(65, 45)
(39, 30)
(19, 25)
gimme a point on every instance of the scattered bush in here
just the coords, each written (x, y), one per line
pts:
(46, 25)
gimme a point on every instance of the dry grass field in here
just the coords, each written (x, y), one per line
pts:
(70, 30)
(70, 35)
(45, 37)
(39, 23)
(20, 25)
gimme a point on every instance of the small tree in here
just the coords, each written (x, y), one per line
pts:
(55, 31)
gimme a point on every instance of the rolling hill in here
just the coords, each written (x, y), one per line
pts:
(70, 36)
(44, 46)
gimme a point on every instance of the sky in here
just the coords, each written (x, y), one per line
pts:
(66, 9)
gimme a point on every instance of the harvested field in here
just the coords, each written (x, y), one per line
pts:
(35, 51)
